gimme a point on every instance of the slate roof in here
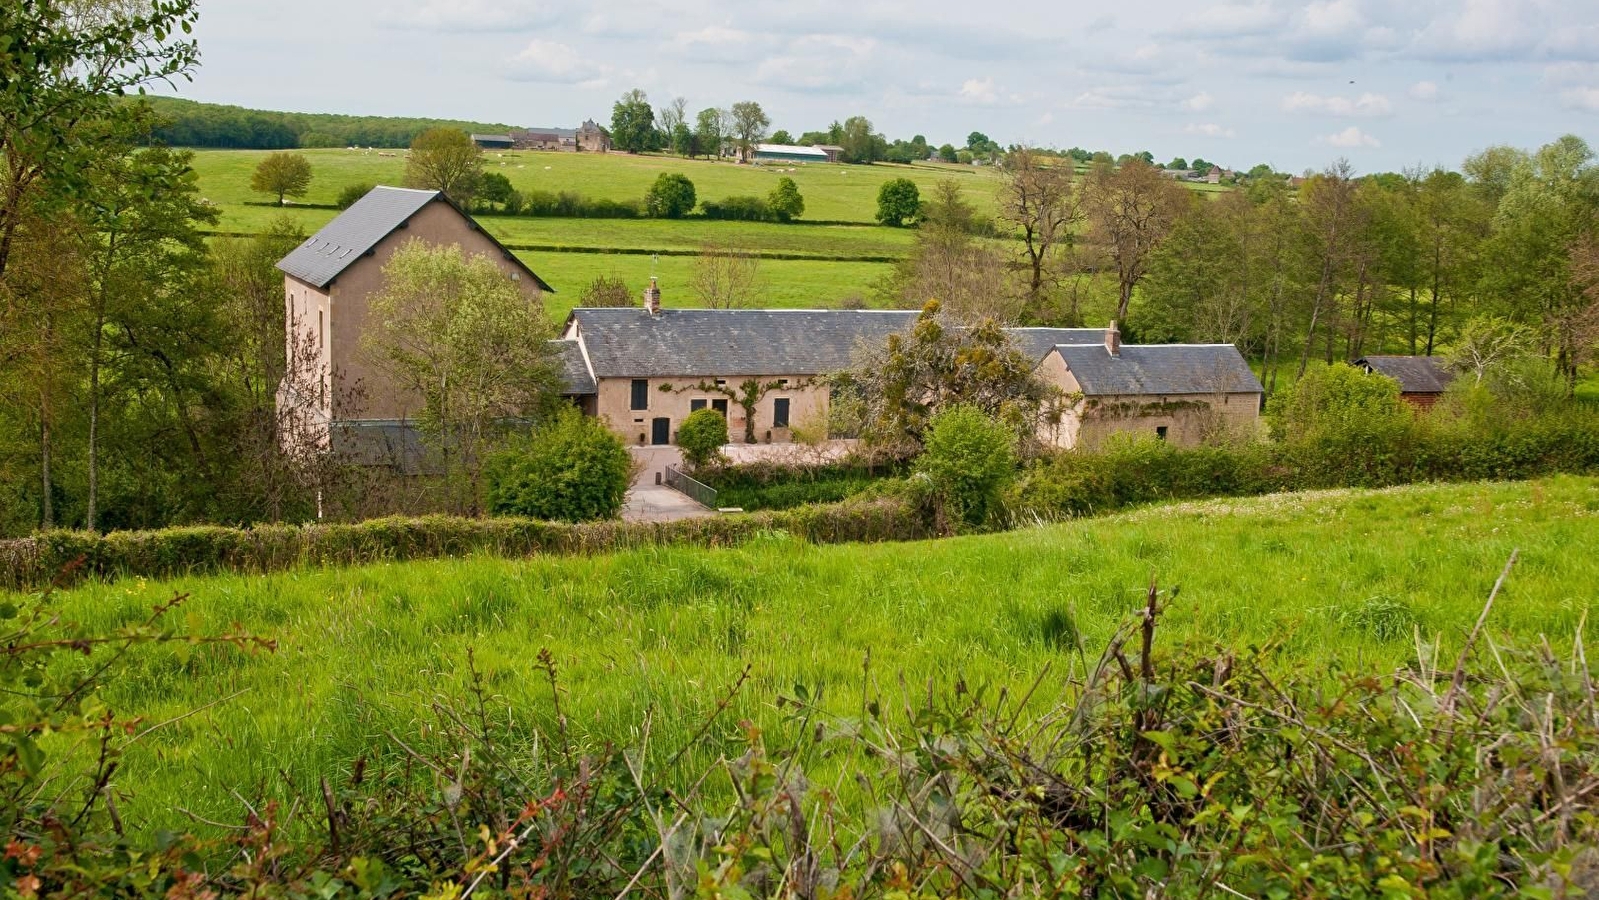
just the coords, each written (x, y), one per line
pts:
(1037, 342)
(1415, 374)
(702, 343)
(367, 222)
(1159, 369)
(574, 371)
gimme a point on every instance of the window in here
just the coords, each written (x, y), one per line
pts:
(720, 406)
(1160, 432)
(641, 393)
(696, 405)
(780, 412)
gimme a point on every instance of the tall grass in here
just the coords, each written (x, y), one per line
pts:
(1326, 580)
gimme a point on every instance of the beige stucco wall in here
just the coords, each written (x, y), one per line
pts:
(355, 389)
(1189, 419)
(614, 405)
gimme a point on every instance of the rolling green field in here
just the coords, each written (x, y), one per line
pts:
(1337, 578)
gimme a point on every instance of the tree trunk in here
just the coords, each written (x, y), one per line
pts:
(48, 517)
(94, 417)
(1415, 314)
(1125, 301)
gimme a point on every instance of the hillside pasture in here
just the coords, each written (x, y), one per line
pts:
(1325, 580)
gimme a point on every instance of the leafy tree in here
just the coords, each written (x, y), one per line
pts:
(495, 188)
(1130, 211)
(607, 292)
(860, 144)
(1200, 165)
(571, 469)
(1486, 343)
(1039, 199)
(749, 126)
(702, 436)
(977, 142)
(633, 123)
(445, 159)
(457, 332)
(674, 119)
(968, 277)
(782, 137)
(1335, 400)
(785, 201)
(1177, 163)
(898, 202)
(946, 152)
(964, 157)
(670, 197)
(284, 174)
(710, 131)
(682, 139)
(969, 459)
(351, 193)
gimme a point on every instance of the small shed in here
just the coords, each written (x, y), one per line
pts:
(789, 153)
(1422, 379)
(834, 152)
(493, 141)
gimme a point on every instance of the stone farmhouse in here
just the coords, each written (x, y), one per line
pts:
(645, 369)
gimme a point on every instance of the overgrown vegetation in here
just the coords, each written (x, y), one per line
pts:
(572, 468)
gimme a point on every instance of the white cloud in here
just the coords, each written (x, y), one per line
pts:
(479, 15)
(1367, 104)
(979, 91)
(1350, 137)
(1211, 130)
(1583, 98)
(713, 36)
(1424, 90)
(557, 63)
(820, 62)
(1199, 102)
(1234, 19)
(1484, 30)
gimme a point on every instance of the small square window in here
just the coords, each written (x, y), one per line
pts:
(1160, 432)
(696, 405)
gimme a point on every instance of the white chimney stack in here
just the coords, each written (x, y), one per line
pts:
(1113, 340)
(652, 298)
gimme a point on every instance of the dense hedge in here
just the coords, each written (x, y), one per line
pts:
(756, 486)
(35, 561)
(1075, 484)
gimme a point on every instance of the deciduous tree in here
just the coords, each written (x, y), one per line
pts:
(785, 201)
(710, 131)
(633, 123)
(898, 202)
(445, 159)
(749, 126)
(1039, 198)
(670, 197)
(1131, 209)
(725, 278)
(284, 174)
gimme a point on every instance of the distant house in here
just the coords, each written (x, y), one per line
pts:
(790, 153)
(330, 396)
(591, 138)
(493, 141)
(561, 139)
(1422, 379)
(1213, 176)
(1178, 174)
(834, 152)
(1183, 393)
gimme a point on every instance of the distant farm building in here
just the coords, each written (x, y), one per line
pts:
(591, 138)
(834, 152)
(1422, 379)
(790, 153)
(493, 141)
(545, 139)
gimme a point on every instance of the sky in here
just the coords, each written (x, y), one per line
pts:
(1386, 84)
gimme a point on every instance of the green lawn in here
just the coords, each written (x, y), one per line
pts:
(1339, 578)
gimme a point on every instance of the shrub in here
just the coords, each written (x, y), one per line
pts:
(785, 200)
(702, 436)
(1337, 399)
(607, 292)
(670, 197)
(738, 209)
(352, 193)
(573, 469)
(570, 205)
(898, 202)
(969, 459)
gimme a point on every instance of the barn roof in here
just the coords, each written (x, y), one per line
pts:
(1415, 374)
(355, 232)
(1037, 342)
(575, 376)
(1159, 369)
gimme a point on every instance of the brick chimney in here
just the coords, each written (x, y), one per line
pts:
(652, 298)
(1113, 340)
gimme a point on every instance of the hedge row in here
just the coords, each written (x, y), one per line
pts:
(755, 486)
(33, 562)
(1076, 484)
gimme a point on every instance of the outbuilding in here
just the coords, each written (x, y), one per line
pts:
(789, 153)
(1422, 379)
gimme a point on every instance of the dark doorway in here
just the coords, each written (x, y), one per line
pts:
(720, 406)
(661, 431)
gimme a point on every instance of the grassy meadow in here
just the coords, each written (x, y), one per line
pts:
(1342, 578)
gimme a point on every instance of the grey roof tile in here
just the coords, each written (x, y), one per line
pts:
(1159, 369)
(368, 221)
(1037, 342)
(699, 343)
(575, 375)
(1415, 374)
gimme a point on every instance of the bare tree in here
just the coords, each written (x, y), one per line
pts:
(1131, 208)
(1039, 199)
(672, 115)
(966, 275)
(725, 278)
(1329, 201)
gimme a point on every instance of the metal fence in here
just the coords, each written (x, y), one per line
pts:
(703, 494)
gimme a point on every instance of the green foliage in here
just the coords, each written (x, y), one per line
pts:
(898, 202)
(493, 187)
(701, 437)
(755, 486)
(572, 205)
(186, 123)
(969, 459)
(282, 174)
(781, 136)
(738, 209)
(1336, 400)
(572, 469)
(351, 193)
(670, 197)
(606, 291)
(445, 159)
(947, 153)
(785, 200)
(633, 124)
